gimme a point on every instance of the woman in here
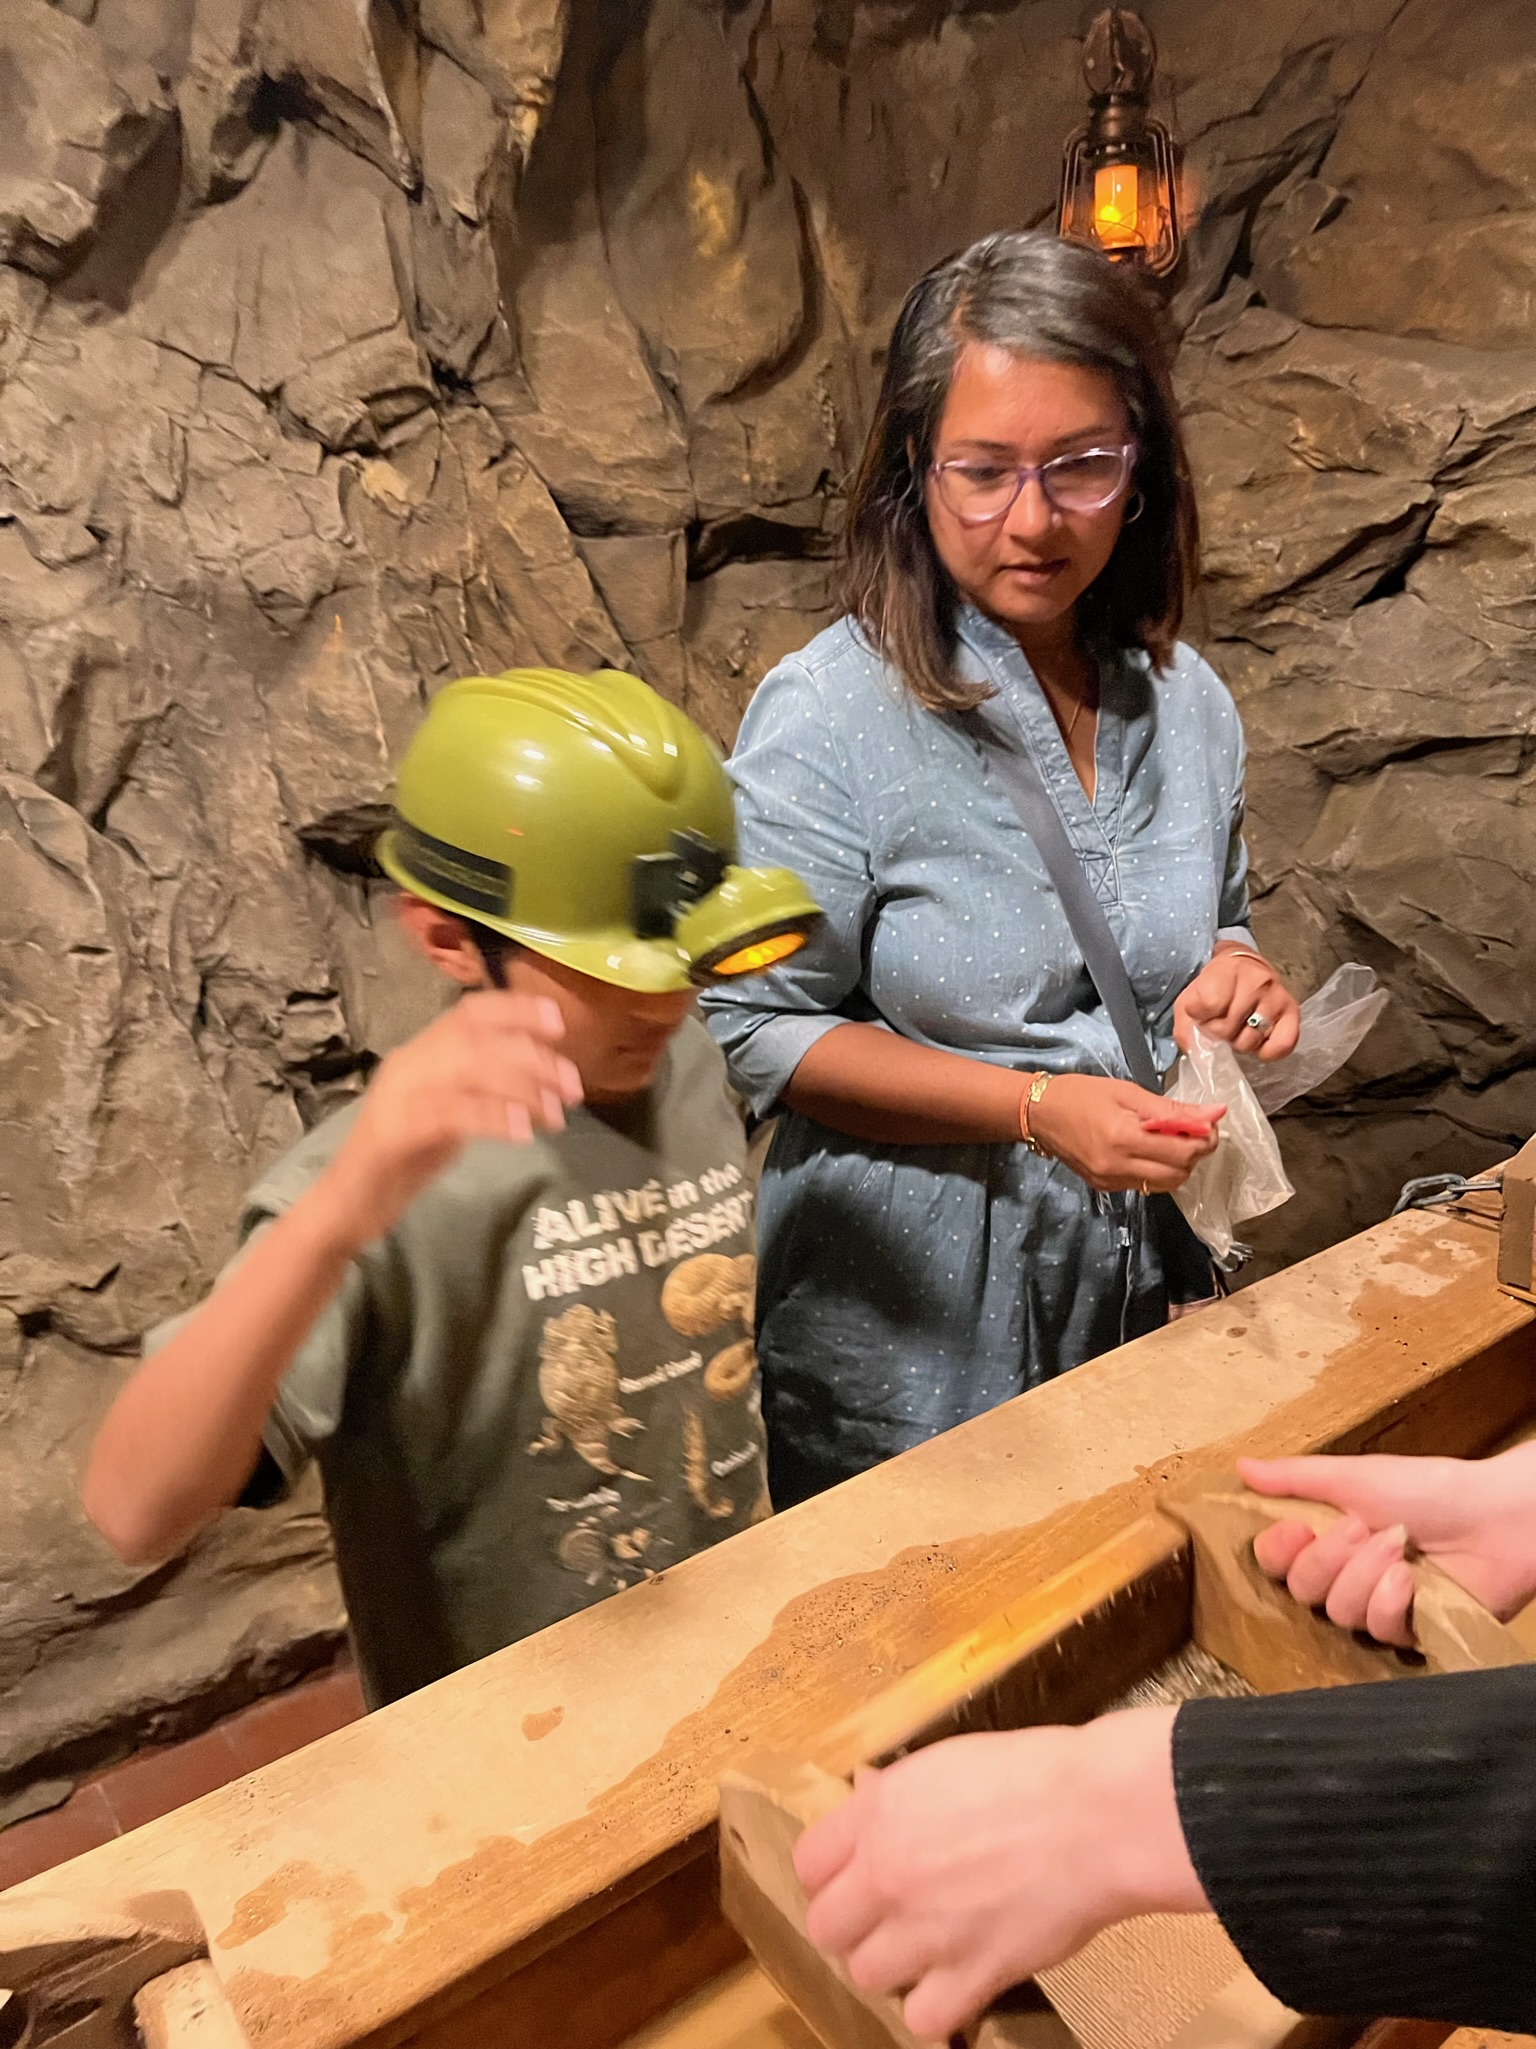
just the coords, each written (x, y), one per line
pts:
(955, 1203)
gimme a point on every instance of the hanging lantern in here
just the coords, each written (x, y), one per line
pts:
(1118, 178)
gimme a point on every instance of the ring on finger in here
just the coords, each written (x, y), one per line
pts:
(1146, 1187)
(1256, 1021)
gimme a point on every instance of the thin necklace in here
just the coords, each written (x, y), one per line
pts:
(1078, 709)
(1071, 726)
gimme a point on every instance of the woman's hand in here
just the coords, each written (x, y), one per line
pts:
(973, 1864)
(1100, 1129)
(1475, 1517)
(1232, 987)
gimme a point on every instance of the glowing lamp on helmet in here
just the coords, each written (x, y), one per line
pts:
(724, 921)
(763, 953)
(1119, 178)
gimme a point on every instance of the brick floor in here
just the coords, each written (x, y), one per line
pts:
(84, 1821)
(168, 1775)
(288, 1721)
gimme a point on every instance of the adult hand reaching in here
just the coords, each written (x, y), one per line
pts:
(969, 1866)
(1476, 1518)
(1233, 986)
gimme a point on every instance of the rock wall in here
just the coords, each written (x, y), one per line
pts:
(348, 345)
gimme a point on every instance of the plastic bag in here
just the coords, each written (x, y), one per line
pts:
(1245, 1176)
(1333, 1022)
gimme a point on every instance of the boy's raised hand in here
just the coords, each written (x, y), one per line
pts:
(180, 1441)
(487, 1068)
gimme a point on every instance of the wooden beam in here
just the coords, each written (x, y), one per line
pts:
(367, 1888)
(1055, 1654)
(651, 1953)
(741, 2009)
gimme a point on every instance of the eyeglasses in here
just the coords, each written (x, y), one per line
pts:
(976, 492)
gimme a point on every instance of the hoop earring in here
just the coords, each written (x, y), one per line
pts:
(1137, 507)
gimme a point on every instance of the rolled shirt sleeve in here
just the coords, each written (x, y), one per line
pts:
(795, 808)
(308, 1408)
(309, 1401)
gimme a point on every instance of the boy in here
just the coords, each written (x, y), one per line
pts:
(525, 1368)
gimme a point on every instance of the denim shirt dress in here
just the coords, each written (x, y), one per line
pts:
(905, 1288)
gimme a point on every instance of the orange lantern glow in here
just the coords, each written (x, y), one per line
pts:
(1119, 189)
(1114, 205)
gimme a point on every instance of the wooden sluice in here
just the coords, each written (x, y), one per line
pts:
(525, 1855)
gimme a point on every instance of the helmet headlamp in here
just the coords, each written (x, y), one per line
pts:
(724, 920)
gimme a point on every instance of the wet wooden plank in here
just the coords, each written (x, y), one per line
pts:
(1055, 1654)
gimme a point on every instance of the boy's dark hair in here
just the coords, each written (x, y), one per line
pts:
(494, 948)
(1034, 295)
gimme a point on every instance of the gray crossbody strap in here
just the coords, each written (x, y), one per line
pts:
(1004, 745)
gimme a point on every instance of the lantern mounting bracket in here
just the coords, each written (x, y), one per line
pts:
(1119, 55)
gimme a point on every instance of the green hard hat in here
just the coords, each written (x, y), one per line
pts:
(588, 819)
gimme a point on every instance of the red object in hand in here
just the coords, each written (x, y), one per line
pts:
(1179, 1127)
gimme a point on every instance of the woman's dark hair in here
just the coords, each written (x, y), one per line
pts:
(1035, 296)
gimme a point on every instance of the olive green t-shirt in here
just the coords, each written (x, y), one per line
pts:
(540, 1387)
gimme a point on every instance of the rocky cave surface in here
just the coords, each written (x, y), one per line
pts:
(350, 345)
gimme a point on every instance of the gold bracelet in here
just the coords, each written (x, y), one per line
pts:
(1246, 953)
(1027, 1102)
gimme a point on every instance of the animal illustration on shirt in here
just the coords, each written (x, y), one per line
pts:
(702, 1293)
(584, 1550)
(729, 1373)
(579, 1380)
(597, 1554)
(696, 1468)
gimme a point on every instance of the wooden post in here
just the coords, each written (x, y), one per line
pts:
(1517, 1232)
(764, 1806)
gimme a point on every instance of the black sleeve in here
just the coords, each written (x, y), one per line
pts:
(1372, 1849)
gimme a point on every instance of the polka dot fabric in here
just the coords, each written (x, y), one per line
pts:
(905, 1289)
